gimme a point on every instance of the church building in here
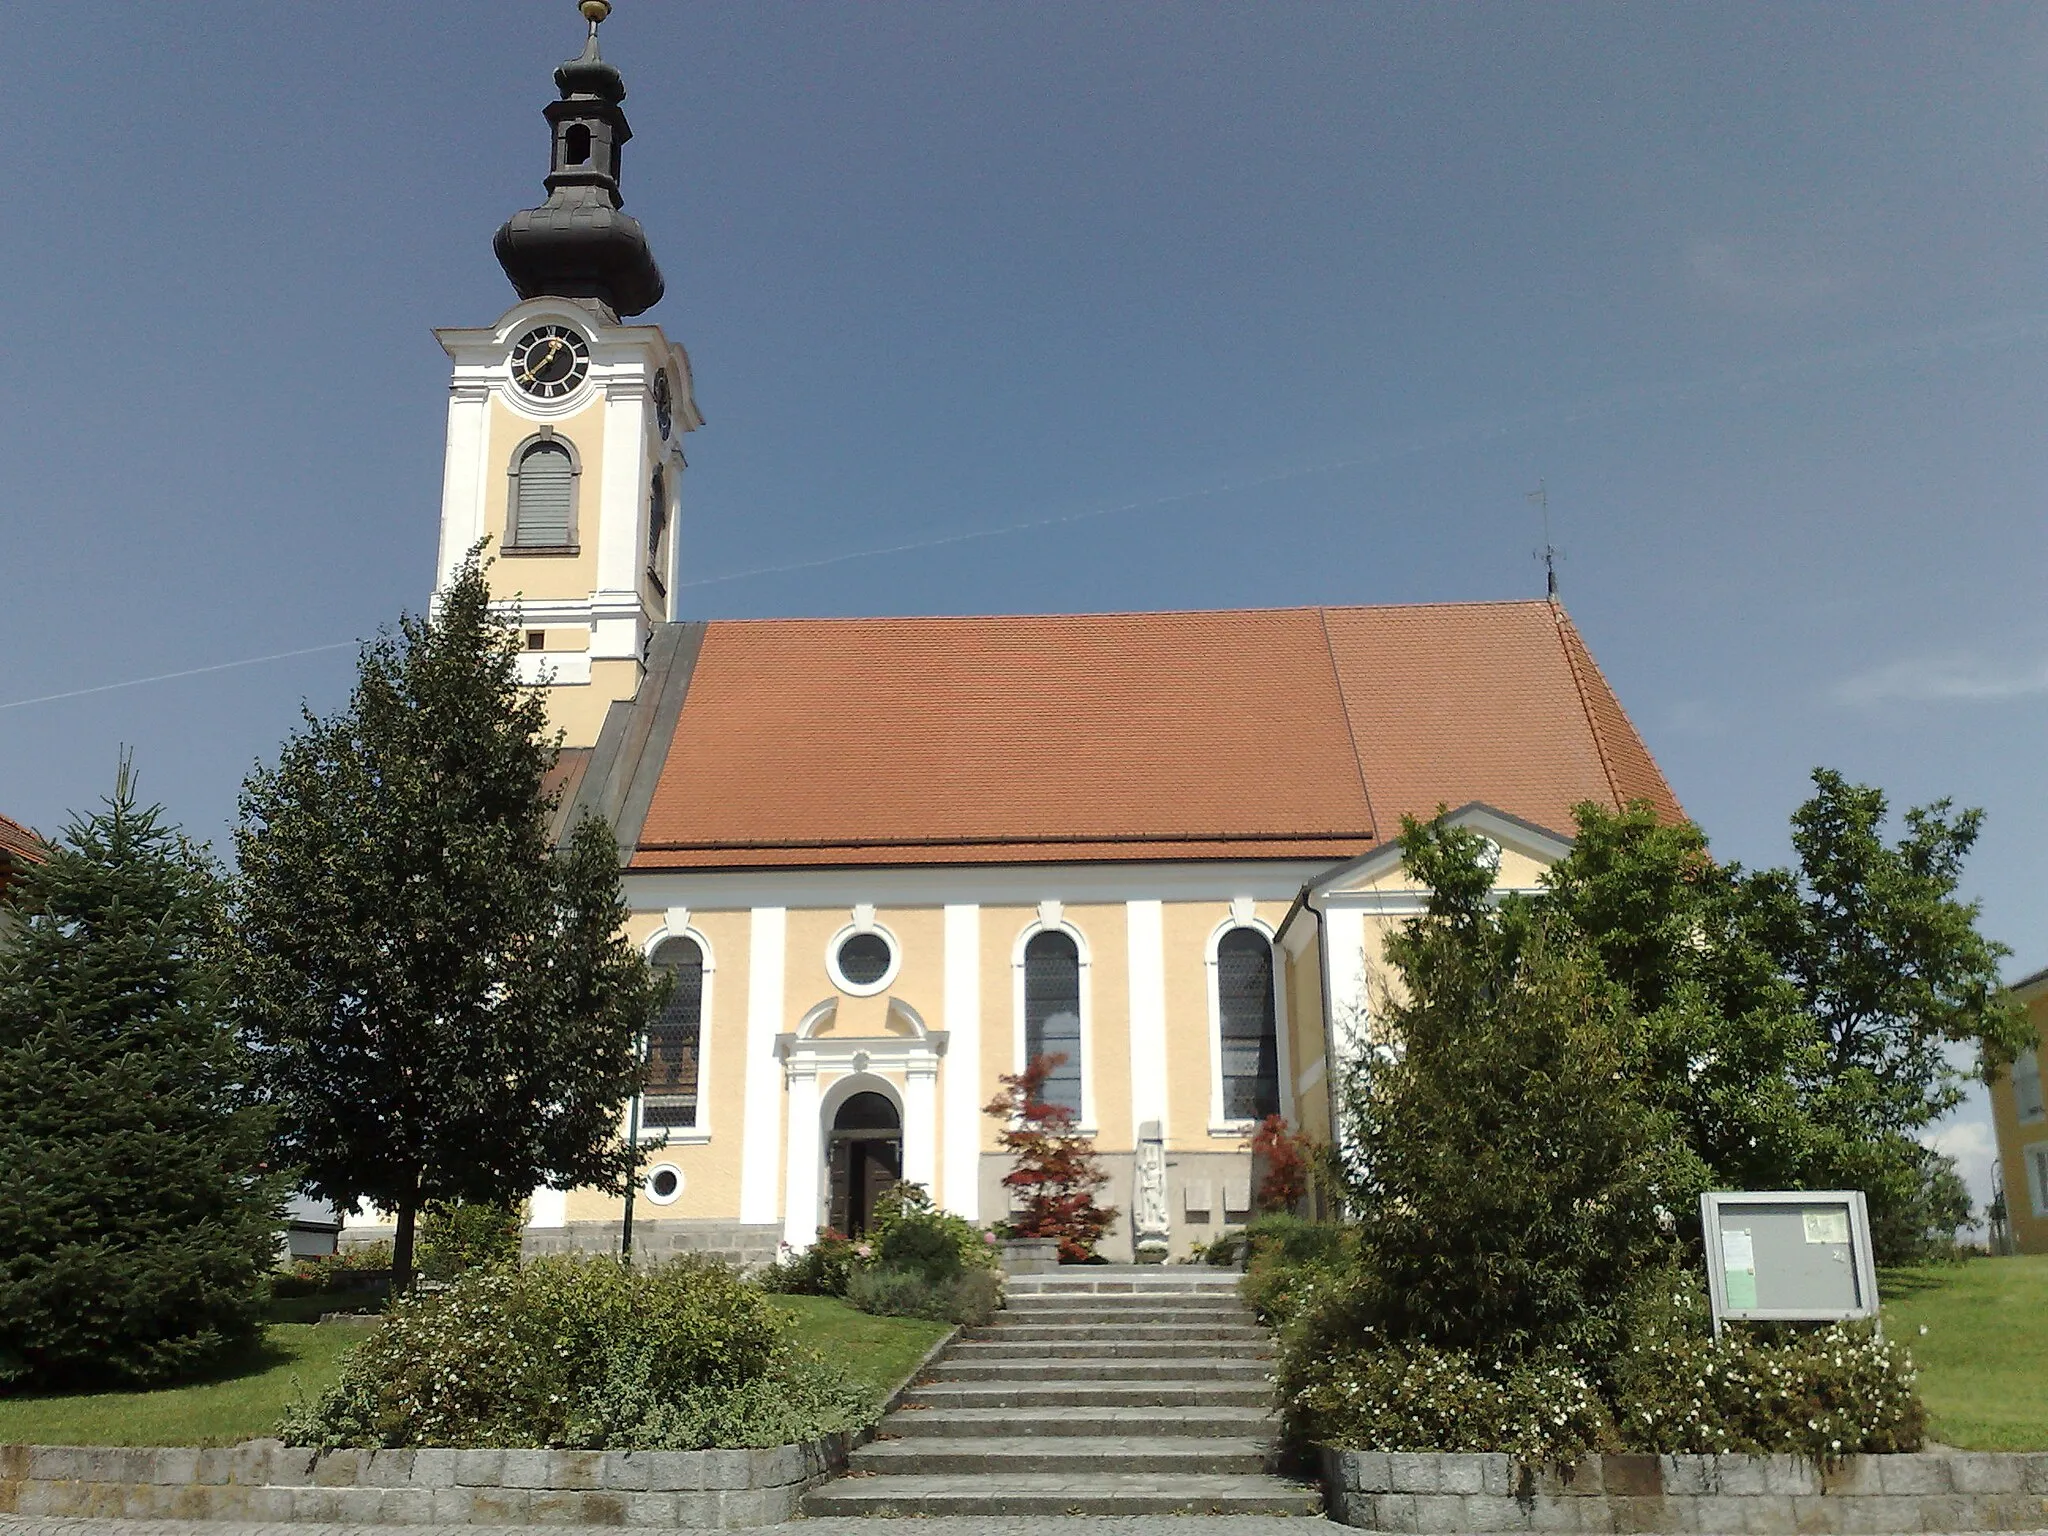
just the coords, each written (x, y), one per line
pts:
(1162, 845)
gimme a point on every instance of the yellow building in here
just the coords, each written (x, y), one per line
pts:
(890, 860)
(2021, 1121)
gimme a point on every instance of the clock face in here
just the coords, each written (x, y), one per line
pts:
(549, 361)
(664, 415)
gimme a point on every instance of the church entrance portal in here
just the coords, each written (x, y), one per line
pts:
(863, 1157)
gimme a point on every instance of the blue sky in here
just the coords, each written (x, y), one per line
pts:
(1207, 305)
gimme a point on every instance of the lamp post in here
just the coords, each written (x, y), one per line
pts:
(632, 1159)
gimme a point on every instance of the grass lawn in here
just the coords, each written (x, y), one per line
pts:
(238, 1404)
(880, 1351)
(1979, 1333)
(244, 1402)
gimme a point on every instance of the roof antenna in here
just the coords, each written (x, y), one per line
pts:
(1549, 554)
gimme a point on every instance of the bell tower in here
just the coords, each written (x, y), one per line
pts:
(565, 423)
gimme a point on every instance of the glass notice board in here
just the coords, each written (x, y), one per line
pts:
(1789, 1255)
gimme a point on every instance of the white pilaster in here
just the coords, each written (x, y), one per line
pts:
(759, 1149)
(1145, 928)
(800, 1214)
(548, 1208)
(921, 1123)
(961, 1190)
(1344, 933)
(462, 477)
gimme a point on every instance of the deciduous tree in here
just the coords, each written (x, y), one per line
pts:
(1056, 1173)
(445, 1007)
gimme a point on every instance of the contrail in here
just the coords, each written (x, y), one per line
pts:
(165, 677)
(2006, 330)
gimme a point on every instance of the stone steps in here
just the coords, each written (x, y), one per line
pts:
(1057, 1493)
(1186, 1368)
(1109, 1423)
(1003, 1348)
(1097, 1392)
(1158, 1333)
(1092, 1394)
(1240, 1455)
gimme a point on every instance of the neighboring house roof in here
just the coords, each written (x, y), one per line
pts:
(1260, 733)
(2029, 984)
(18, 843)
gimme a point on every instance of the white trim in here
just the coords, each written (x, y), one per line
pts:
(963, 1101)
(1145, 937)
(759, 1131)
(677, 926)
(1497, 827)
(553, 669)
(992, 885)
(647, 1184)
(1241, 915)
(863, 922)
(1086, 1124)
(1347, 1004)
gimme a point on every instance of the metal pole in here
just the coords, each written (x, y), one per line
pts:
(632, 1164)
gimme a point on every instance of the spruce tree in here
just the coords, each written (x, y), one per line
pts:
(445, 1008)
(135, 1223)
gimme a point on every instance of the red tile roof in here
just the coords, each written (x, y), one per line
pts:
(1264, 733)
(18, 842)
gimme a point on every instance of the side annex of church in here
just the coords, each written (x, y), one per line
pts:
(890, 860)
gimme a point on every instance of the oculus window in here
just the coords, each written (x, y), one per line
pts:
(1052, 1013)
(863, 961)
(674, 1044)
(1247, 1026)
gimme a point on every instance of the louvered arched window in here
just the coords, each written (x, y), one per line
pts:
(1246, 1021)
(674, 1043)
(1052, 1012)
(544, 496)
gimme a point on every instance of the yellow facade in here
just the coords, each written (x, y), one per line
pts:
(2021, 1121)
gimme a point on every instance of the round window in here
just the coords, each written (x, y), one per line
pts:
(864, 959)
(664, 1183)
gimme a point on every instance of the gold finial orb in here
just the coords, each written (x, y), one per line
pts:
(595, 11)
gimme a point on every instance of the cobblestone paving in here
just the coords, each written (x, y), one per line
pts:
(943, 1525)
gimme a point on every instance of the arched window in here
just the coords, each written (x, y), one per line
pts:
(657, 524)
(674, 1043)
(576, 148)
(1245, 1016)
(544, 496)
(1052, 1012)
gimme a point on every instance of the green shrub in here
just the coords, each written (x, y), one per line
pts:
(1415, 1398)
(968, 1297)
(909, 1231)
(365, 1266)
(820, 1270)
(1223, 1251)
(584, 1353)
(464, 1235)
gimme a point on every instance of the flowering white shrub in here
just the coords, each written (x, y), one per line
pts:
(1835, 1392)
(1416, 1398)
(581, 1353)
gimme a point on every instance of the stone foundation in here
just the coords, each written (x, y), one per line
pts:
(740, 1244)
(1764, 1495)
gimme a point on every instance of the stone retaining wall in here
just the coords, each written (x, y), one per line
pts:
(266, 1480)
(1765, 1495)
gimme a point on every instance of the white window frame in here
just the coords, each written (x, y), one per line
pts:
(1052, 919)
(647, 1184)
(1241, 916)
(864, 921)
(512, 544)
(2026, 1068)
(2034, 1159)
(677, 926)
